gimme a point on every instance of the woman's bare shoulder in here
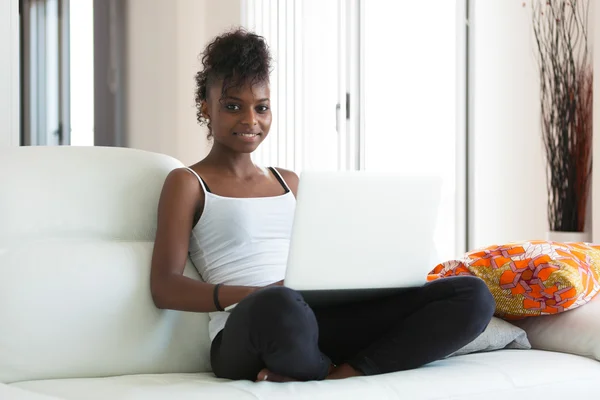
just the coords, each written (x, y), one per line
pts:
(290, 177)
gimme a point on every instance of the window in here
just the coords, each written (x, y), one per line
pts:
(370, 85)
(72, 72)
(45, 72)
(309, 87)
(410, 99)
(82, 72)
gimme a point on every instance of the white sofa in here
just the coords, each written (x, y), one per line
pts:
(77, 320)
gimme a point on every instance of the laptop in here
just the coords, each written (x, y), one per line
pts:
(359, 235)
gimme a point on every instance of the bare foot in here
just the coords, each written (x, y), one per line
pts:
(343, 371)
(266, 375)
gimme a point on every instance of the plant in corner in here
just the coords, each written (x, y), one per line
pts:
(561, 36)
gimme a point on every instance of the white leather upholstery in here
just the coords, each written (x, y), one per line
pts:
(74, 192)
(506, 374)
(573, 332)
(14, 393)
(76, 231)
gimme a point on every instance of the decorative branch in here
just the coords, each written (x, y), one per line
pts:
(560, 30)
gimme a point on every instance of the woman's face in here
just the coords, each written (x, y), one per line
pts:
(241, 118)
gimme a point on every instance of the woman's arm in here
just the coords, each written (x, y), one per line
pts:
(179, 202)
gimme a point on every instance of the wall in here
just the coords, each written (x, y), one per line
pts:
(165, 39)
(508, 196)
(9, 73)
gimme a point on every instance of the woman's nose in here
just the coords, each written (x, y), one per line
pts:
(249, 118)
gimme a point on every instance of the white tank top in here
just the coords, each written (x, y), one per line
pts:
(241, 241)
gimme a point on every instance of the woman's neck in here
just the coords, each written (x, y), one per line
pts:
(237, 164)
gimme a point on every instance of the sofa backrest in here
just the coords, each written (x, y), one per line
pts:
(77, 226)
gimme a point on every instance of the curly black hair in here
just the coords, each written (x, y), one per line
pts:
(237, 57)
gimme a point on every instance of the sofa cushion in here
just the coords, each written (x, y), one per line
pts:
(15, 393)
(94, 192)
(499, 334)
(498, 375)
(77, 226)
(573, 332)
(81, 308)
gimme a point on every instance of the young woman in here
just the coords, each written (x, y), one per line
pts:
(233, 218)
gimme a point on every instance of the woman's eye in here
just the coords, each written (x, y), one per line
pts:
(262, 108)
(232, 107)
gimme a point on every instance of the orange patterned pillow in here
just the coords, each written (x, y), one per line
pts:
(532, 278)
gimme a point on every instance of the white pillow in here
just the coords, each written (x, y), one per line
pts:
(499, 334)
(574, 332)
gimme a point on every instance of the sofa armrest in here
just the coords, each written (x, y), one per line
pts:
(15, 393)
(574, 332)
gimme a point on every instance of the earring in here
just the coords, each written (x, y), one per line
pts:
(204, 120)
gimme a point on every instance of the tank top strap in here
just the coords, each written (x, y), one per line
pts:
(202, 183)
(280, 179)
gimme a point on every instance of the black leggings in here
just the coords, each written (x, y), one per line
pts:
(274, 328)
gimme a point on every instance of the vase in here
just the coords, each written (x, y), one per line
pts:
(565, 237)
